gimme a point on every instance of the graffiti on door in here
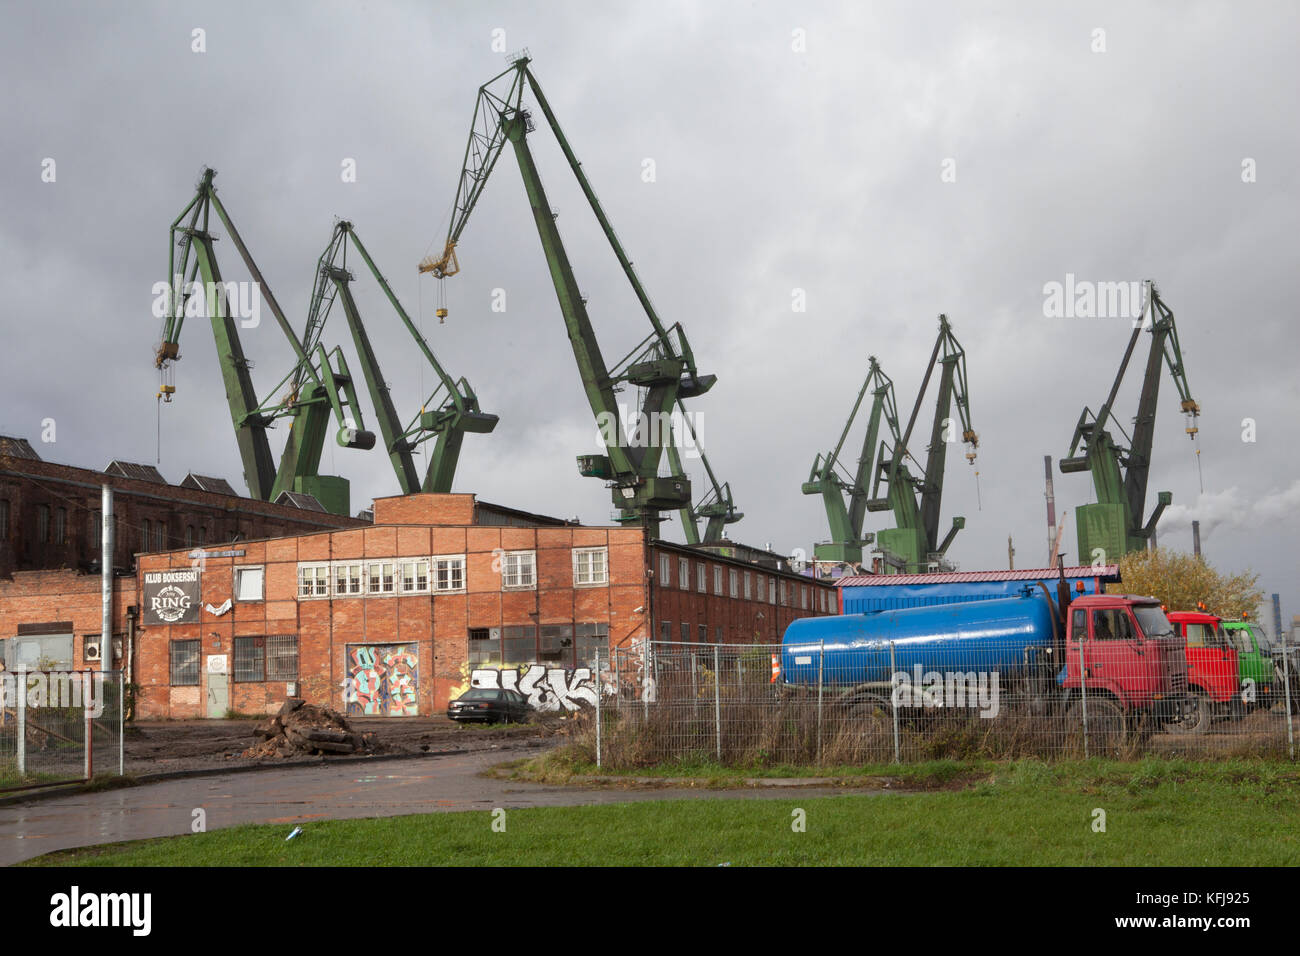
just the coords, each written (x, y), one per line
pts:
(383, 680)
(546, 688)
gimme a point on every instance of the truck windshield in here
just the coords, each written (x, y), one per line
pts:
(1153, 621)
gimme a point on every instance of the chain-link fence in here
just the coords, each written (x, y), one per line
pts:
(889, 701)
(59, 726)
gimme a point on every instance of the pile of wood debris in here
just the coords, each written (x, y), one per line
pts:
(301, 728)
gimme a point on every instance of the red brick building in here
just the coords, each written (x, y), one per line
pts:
(397, 617)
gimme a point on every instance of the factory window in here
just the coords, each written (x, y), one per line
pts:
(248, 583)
(415, 575)
(519, 645)
(313, 580)
(803, 598)
(96, 529)
(665, 631)
(717, 579)
(783, 592)
(61, 526)
(184, 663)
(203, 535)
(686, 633)
(160, 536)
(146, 526)
(683, 574)
(250, 659)
(592, 639)
(590, 566)
(282, 657)
(189, 536)
(556, 644)
(519, 570)
(665, 571)
(762, 588)
(381, 577)
(449, 572)
(42, 523)
(702, 577)
(749, 585)
(347, 579)
(4, 517)
(704, 633)
(735, 583)
(484, 646)
(718, 635)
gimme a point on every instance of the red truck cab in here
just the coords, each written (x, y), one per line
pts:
(1123, 647)
(1213, 675)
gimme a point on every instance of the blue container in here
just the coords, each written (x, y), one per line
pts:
(971, 636)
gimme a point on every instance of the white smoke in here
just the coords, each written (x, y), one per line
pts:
(1231, 509)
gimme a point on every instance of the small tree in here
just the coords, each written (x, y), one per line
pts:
(1180, 580)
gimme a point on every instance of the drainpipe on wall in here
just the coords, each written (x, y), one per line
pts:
(106, 578)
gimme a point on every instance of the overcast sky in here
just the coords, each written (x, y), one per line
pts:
(892, 161)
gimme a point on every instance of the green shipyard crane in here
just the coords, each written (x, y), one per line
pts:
(661, 367)
(317, 386)
(451, 411)
(913, 545)
(828, 479)
(1113, 525)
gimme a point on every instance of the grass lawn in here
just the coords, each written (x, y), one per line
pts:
(1025, 813)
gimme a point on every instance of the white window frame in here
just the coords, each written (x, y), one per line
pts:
(760, 582)
(683, 574)
(702, 580)
(665, 571)
(509, 557)
(240, 569)
(734, 580)
(749, 585)
(455, 567)
(717, 579)
(403, 564)
(382, 591)
(314, 571)
(356, 578)
(803, 597)
(771, 591)
(596, 572)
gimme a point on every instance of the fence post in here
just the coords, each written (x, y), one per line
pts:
(86, 710)
(600, 687)
(695, 686)
(893, 703)
(1286, 682)
(821, 666)
(717, 702)
(1083, 690)
(121, 723)
(21, 752)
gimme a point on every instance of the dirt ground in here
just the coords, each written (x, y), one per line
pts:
(169, 745)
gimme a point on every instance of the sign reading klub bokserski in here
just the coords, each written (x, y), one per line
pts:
(171, 597)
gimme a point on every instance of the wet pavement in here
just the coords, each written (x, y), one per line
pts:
(381, 788)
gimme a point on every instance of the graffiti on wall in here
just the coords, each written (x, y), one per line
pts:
(553, 688)
(383, 680)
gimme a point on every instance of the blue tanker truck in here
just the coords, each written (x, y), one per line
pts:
(1017, 653)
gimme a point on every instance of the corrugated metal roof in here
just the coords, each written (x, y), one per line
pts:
(297, 499)
(128, 469)
(1109, 571)
(218, 486)
(17, 448)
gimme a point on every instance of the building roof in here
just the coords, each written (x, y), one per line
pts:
(128, 469)
(218, 486)
(299, 500)
(17, 448)
(1110, 572)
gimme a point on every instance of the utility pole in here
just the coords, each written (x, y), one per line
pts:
(1051, 511)
(1011, 555)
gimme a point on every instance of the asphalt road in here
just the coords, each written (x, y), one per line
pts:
(381, 788)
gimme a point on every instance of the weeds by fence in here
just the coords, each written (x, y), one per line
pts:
(755, 705)
(59, 726)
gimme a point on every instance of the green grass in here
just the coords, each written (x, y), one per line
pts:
(1158, 813)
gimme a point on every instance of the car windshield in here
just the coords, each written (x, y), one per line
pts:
(1153, 621)
(481, 693)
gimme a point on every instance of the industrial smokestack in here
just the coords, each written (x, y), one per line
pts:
(1196, 538)
(1051, 510)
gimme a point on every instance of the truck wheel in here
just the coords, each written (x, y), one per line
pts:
(1195, 718)
(1108, 725)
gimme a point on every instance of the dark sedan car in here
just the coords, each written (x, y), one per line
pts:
(489, 704)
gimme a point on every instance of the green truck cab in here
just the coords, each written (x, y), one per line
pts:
(1259, 663)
